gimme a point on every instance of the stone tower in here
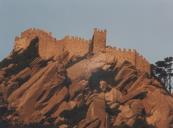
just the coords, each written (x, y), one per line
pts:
(98, 40)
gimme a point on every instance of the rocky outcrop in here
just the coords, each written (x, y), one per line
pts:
(93, 91)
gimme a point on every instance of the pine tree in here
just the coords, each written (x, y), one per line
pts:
(163, 71)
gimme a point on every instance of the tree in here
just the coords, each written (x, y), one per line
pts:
(163, 71)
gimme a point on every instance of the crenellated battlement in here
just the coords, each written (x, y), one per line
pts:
(132, 56)
(100, 30)
(31, 33)
(76, 46)
(75, 38)
(35, 31)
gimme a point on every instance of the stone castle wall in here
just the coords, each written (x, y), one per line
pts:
(47, 44)
(78, 47)
(132, 56)
(51, 47)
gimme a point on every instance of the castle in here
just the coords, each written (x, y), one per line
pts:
(51, 47)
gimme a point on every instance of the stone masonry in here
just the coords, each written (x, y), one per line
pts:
(50, 47)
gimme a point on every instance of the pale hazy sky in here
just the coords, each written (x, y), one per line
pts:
(146, 25)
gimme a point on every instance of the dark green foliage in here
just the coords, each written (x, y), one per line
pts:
(162, 70)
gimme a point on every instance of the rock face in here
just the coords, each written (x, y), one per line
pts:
(67, 88)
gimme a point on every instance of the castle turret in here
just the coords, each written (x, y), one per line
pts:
(98, 40)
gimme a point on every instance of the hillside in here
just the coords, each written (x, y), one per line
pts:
(78, 83)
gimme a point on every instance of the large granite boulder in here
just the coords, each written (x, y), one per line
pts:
(91, 91)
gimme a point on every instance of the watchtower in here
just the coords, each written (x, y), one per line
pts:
(98, 40)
